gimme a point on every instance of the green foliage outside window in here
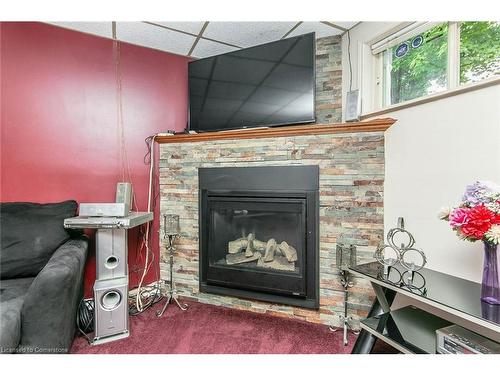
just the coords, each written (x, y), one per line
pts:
(479, 50)
(422, 70)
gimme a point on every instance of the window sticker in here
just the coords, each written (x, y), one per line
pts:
(402, 50)
(417, 41)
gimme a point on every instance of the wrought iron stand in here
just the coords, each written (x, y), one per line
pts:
(171, 292)
(346, 283)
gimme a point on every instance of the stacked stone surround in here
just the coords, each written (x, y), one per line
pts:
(351, 205)
(351, 183)
(329, 80)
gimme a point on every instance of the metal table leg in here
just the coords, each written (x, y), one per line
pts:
(385, 297)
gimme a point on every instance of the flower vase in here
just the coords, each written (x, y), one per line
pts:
(490, 288)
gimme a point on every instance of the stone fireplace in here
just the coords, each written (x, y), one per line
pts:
(350, 161)
(258, 233)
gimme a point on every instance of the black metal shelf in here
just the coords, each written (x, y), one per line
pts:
(409, 329)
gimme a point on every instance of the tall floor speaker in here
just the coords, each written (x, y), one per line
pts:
(111, 254)
(111, 308)
(111, 285)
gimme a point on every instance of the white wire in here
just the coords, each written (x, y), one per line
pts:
(145, 243)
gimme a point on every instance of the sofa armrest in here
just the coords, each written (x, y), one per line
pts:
(49, 311)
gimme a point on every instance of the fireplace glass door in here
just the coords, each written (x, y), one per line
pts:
(257, 243)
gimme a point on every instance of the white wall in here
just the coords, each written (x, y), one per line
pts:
(432, 152)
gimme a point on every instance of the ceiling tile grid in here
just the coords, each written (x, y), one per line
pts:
(154, 37)
(104, 29)
(319, 28)
(188, 27)
(218, 37)
(206, 48)
(247, 34)
(345, 25)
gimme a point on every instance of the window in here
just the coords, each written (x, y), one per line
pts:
(424, 58)
(417, 66)
(479, 50)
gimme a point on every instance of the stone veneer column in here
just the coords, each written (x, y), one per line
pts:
(329, 80)
(351, 205)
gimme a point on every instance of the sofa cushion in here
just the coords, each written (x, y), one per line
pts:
(12, 293)
(31, 232)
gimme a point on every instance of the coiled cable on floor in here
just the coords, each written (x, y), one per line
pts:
(85, 317)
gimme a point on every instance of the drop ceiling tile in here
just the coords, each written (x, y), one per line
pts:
(189, 27)
(319, 28)
(206, 48)
(345, 25)
(154, 37)
(247, 34)
(96, 28)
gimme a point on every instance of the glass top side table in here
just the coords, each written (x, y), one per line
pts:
(458, 297)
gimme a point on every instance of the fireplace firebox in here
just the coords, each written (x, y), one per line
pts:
(259, 233)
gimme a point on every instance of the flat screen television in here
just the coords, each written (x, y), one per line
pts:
(266, 85)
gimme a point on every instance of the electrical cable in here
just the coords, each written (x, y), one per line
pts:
(85, 317)
(144, 297)
(147, 157)
(119, 115)
(140, 306)
(349, 59)
(154, 295)
(144, 236)
(125, 162)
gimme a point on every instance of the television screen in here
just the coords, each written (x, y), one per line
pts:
(267, 85)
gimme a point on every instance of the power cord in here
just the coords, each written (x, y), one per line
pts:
(349, 59)
(151, 295)
(140, 305)
(85, 317)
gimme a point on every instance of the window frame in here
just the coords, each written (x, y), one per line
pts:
(381, 89)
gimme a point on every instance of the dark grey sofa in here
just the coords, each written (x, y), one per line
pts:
(41, 274)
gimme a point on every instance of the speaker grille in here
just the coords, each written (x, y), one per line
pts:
(111, 300)
(111, 262)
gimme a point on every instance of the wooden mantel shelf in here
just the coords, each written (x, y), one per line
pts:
(377, 125)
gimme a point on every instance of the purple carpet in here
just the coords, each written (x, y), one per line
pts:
(207, 329)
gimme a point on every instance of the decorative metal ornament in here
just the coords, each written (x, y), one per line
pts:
(394, 233)
(345, 258)
(411, 258)
(393, 276)
(171, 225)
(171, 233)
(414, 281)
(385, 259)
(409, 264)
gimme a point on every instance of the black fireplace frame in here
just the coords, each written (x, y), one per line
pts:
(300, 183)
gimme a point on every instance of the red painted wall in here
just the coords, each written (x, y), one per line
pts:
(59, 132)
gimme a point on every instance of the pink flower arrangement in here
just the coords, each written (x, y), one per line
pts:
(458, 217)
(477, 217)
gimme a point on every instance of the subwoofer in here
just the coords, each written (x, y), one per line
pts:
(111, 254)
(111, 307)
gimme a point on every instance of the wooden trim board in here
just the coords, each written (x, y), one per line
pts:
(376, 125)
